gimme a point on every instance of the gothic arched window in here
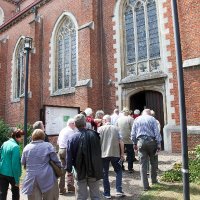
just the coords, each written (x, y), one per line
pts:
(142, 47)
(19, 67)
(1, 16)
(65, 56)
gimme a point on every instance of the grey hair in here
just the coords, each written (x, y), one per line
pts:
(107, 118)
(98, 113)
(80, 121)
(38, 125)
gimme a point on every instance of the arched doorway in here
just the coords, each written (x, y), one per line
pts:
(152, 100)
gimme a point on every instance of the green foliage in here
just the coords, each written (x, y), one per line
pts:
(175, 174)
(29, 129)
(29, 132)
(4, 131)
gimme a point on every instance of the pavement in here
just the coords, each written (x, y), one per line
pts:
(131, 183)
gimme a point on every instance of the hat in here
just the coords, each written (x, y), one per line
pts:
(125, 110)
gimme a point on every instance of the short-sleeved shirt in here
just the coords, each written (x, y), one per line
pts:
(110, 137)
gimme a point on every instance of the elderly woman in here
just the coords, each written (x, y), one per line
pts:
(10, 166)
(40, 181)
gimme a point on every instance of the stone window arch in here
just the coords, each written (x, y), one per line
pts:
(141, 37)
(64, 55)
(18, 70)
(1, 16)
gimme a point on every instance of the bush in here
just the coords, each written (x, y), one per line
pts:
(5, 131)
(175, 174)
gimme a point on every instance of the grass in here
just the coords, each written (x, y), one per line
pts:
(170, 191)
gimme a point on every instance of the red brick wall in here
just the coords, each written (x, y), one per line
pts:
(3, 64)
(89, 62)
(8, 9)
(193, 141)
(192, 95)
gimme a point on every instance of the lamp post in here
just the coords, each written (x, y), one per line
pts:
(27, 48)
(183, 123)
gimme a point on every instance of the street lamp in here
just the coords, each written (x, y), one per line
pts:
(27, 48)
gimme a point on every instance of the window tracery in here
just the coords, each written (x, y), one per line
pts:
(141, 37)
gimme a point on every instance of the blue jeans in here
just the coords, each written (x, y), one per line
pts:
(118, 171)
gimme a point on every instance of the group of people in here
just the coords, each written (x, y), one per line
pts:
(87, 146)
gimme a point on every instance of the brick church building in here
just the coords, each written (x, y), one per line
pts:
(101, 54)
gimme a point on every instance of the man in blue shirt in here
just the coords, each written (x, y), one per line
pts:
(147, 140)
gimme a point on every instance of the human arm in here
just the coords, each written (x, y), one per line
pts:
(157, 134)
(53, 155)
(121, 145)
(16, 164)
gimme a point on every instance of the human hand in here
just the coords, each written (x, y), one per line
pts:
(158, 147)
(135, 147)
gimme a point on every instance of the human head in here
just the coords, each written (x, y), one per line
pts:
(125, 111)
(136, 112)
(80, 121)
(116, 111)
(71, 123)
(153, 113)
(99, 114)
(17, 134)
(38, 134)
(107, 118)
(83, 113)
(146, 112)
(88, 111)
(38, 125)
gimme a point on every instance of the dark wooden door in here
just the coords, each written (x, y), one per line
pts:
(152, 100)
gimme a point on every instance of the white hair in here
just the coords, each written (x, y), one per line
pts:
(136, 112)
(70, 121)
(88, 111)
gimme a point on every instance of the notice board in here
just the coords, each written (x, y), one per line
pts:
(56, 118)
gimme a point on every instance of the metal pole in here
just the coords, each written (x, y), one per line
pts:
(26, 98)
(183, 123)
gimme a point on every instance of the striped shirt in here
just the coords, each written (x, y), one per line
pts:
(145, 125)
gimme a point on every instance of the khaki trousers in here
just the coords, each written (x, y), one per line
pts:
(52, 194)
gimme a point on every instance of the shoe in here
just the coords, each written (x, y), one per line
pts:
(71, 189)
(130, 171)
(63, 191)
(135, 160)
(107, 196)
(146, 189)
(120, 194)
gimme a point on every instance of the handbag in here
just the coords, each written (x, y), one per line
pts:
(57, 170)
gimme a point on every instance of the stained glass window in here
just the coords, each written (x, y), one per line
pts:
(19, 70)
(141, 35)
(66, 62)
(129, 30)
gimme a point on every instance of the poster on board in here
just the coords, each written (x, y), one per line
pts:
(56, 118)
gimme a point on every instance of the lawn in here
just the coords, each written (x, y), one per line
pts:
(170, 191)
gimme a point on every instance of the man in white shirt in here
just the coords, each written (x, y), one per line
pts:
(114, 116)
(62, 142)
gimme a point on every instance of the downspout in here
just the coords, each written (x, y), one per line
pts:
(101, 48)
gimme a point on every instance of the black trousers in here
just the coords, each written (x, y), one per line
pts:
(4, 183)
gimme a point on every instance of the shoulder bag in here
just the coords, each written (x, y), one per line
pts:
(57, 170)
